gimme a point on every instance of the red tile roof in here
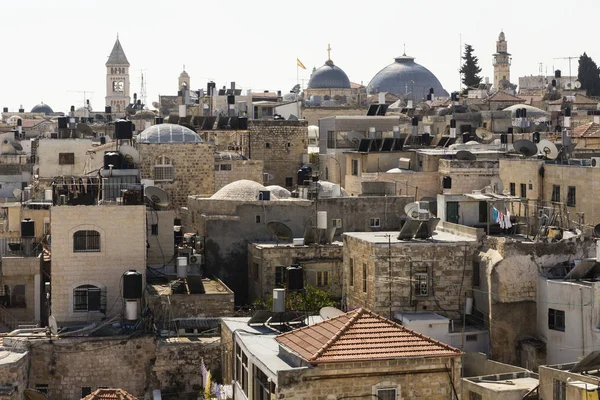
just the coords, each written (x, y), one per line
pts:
(505, 97)
(361, 335)
(110, 394)
(591, 129)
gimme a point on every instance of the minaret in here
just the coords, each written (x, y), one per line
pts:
(501, 62)
(117, 80)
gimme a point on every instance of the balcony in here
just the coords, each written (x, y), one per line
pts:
(20, 247)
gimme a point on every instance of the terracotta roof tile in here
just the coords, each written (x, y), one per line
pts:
(110, 394)
(591, 129)
(361, 335)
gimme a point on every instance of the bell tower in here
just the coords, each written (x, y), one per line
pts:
(501, 63)
(117, 80)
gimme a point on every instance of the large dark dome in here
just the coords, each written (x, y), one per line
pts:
(42, 108)
(405, 76)
(329, 77)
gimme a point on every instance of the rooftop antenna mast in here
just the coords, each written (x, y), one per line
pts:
(570, 75)
(86, 106)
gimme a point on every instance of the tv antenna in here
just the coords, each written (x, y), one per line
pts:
(570, 75)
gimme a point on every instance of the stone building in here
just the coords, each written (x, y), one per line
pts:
(267, 263)
(389, 275)
(502, 62)
(117, 80)
(355, 354)
(231, 166)
(108, 241)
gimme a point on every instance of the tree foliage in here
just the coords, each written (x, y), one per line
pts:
(311, 299)
(470, 68)
(589, 75)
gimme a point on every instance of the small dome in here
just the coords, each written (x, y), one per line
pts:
(405, 76)
(329, 76)
(242, 190)
(42, 108)
(279, 191)
(168, 133)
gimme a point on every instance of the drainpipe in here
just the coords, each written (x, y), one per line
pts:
(582, 324)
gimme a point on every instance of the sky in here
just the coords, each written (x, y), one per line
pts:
(53, 51)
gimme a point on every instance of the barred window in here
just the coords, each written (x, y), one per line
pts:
(86, 241)
(87, 298)
(421, 284)
(555, 193)
(163, 169)
(387, 394)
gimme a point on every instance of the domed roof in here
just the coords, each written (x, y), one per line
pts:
(531, 110)
(242, 190)
(279, 191)
(329, 76)
(404, 75)
(168, 133)
(42, 108)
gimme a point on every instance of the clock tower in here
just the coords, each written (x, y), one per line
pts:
(117, 80)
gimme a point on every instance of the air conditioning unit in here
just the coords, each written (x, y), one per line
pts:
(596, 162)
(195, 259)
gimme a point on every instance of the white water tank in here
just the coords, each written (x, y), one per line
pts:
(469, 306)
(182, 267)
(48, 194)
(131, 310)
(279, 300)
(322, 220)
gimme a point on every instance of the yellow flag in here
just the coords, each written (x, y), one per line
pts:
(300, 63)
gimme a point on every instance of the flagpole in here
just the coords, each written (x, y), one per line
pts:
(297, 83)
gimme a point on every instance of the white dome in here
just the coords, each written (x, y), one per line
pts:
(279, 191)
(242, 190)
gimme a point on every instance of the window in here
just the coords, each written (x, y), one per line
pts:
(66, 158)
(225, 167)
(257, 219)
(523, 190)
(474, 396)
(556, 320)
(268, 145)
(555, 193)
(331, 140)
(374, 222)
(447, 182)
(280, 276)
(163, 169)
(241, 368)
(387, 394)
(355, 167)
(471, 338)
(154, 228)
(262, 385)
(571, 201)
(421, 284)
(289, 144)
(17, 297)
(559, 390)
(42, 388)
(531, 186)
(289, 181)
(351, 272)
(483, 210)
(513, 189)
(322, 278)
(85, 391)
(87, 298)
(365, 277)
(336, 223)
(86, 241)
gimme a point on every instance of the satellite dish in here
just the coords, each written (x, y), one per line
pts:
(471, 143)
(484, 134)
(354, 136)
(31, 394)
(577, 84)
(52, 325)
(597, 234)
(17, 193)
(85, 129)
(330, 312)
(130, 153)
(159, 197)
(280, 230)
(465, 155)
(525, 148)
(412, 210)
(496, 142)
(547, 149)
(497, 185)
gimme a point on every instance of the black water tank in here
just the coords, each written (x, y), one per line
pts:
(264, 195)
(132, 285)
(452, 123)
(553, 82)
(62, 123)
(243, 123)
(5, 109)
(102, 139)
(27, 228)
(415, 121)
(112, 157)
(107, 109)
(518, 113)
(567, 111)
(123, 129)
(504, 138)
(536, 137)
(557, 73)
(158, 120)
(295, 278)
(303, 175)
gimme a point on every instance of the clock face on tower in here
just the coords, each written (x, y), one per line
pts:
(118, 86)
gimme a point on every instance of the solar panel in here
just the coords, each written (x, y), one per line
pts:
(364, 145)
(399, 144)
(388, 144)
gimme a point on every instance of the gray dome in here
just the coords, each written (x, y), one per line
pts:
(42, 108)
(329, 76)
(168, 133)
(403, 76)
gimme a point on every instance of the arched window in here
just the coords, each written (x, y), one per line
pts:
(163, 169)
(86, 241)
(87, 298)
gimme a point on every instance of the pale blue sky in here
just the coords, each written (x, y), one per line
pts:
(53, 47)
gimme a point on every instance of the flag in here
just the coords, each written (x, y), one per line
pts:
(300, 63)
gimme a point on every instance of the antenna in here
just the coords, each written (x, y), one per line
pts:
(570, 75)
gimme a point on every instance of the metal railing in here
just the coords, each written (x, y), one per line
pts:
(20, 247)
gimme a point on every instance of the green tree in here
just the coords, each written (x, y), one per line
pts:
(311, 299)
(589, 75)
(470, 69)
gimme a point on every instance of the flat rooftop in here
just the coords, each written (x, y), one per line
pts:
(271, 245)
(392, 237)
(210, 287)
(420, 316)
(508, 385)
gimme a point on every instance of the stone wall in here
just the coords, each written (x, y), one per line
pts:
(235, 170)
(418, 378)
(280, 145)
(422, 184)
(467, 175)
(48, 157)
(193, 169)
(313, 114)
(122, 247)
(191, 306)
(22, 271)
(162, 245)
(14, 373)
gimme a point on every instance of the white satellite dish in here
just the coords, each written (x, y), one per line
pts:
(484, 134)
(159, 197)
(52, 325)
(497, 185)
(577, 84)
(17, 193)
(547, 149)
(412, 210)
(130, 153)
(330, 312)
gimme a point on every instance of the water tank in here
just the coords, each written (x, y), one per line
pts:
(123, 129)
(322, 220)
(62, 123)
(27, 228)
(158, 120)
(303, 175)
(132, 310)
(295, 278)
(536, 137)
(132, 285)
(48, 194)
(182, 267)
(278, 300)
(112, 158)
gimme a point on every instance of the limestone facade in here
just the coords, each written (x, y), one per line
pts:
(467, 176)
(19, 278)
(14, 374)
(235, 170)
(122, 231)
